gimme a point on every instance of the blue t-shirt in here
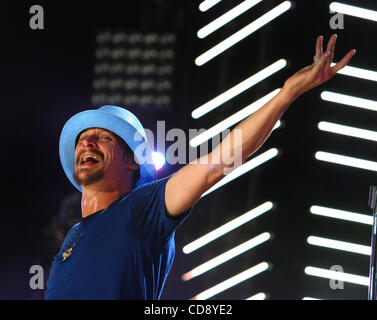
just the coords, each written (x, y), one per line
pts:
(125, 252)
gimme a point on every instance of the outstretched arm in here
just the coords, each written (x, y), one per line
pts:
(187, 185)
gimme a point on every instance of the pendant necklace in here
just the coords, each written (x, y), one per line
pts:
(68, 252)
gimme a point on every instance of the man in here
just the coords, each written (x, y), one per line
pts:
(124, 246)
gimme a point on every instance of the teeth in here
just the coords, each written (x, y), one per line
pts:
(89, 157)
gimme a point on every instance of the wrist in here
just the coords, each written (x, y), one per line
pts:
(288, 94)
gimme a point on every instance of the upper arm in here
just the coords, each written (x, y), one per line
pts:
(185, 187)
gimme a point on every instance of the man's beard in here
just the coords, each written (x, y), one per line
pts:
(89, 179)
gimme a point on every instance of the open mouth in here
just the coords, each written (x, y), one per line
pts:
(89, 160)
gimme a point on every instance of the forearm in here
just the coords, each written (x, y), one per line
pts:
(250, 134)
(186, 186)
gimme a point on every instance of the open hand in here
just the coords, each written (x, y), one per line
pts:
(319, 72)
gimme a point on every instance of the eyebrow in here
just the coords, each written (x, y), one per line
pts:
(84, 131)
(79, 136)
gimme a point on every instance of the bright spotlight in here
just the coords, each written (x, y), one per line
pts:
(158, 160)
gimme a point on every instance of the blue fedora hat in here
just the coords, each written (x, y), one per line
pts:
(117, 120)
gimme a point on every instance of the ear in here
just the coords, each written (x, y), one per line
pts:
(132, 163)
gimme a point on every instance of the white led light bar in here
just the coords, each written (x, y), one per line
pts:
(246, 167)
(353, 11)
(348, 131)
(336, 275)
(239, 88)
(349, 100)
(231, 282)
(226, 17)
(346, 161)
(243, 33)
(226, 256)
(233, 119)
(310, 298)
(207, 4)
(229, 226)
(258, 296)
(339, 245)
(341, 214)
(358, 73)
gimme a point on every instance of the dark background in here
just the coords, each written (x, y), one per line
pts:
(47, 76)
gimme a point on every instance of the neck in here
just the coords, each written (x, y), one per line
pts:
(93, 200)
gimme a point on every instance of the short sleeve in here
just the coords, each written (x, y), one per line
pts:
(149, 214)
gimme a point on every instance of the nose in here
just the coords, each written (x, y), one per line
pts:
(89, 142)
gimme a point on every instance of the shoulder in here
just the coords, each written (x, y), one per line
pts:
(73, 228)
(145, 196)
(150, 187)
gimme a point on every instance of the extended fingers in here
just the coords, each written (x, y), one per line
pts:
(322, 61)
(320, 67)
(331, 48)
(342, 63)
(318, 49)
(331, 43)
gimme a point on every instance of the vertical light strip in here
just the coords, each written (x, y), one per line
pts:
(341, 214)
(247, 274)
(226, 256)
(346, 161)
(347, 130)
(207, 4)
(229, 226)
(358, 73)
(233, 119)
(339, 245)
(243, 33)
(349, 100)
(226, 17)
(336, 275)
(246, 167)
(258, 296)
(239, 88)
(353, 11)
